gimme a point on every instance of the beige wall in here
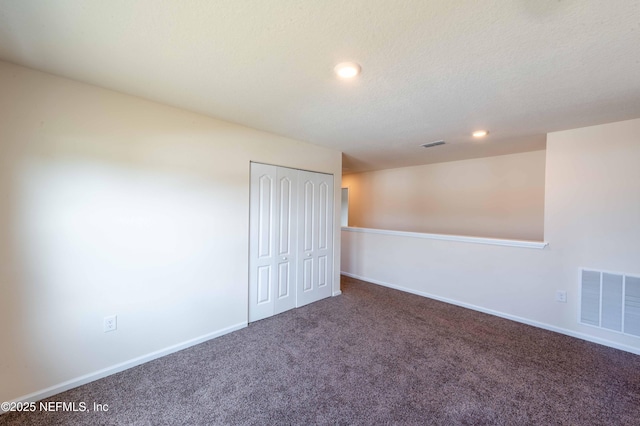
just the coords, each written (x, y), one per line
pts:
(592, 219)
(500, 197)
(110, 204)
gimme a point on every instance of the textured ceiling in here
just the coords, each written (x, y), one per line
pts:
(431, 69)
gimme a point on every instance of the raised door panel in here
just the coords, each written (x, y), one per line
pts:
(323, 271)
(308, 212)
(323, 215)
(307, 275)
(265, 215)
(264, 285)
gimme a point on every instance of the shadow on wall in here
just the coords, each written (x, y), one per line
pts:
(94, 239)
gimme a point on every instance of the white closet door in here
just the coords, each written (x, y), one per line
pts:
(262, 247)
(291, 239)
(286, 247)
(315, 237)
(273, 245)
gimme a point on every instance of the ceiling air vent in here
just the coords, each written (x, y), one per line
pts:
(432, 144)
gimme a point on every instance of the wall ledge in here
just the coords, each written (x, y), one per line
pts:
(457, 238)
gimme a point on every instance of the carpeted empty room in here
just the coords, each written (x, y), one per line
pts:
(374, 355)
(294, 212)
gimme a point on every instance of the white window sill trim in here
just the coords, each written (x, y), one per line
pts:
(458, 238)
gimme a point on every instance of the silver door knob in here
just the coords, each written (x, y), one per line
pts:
(284, 258)
(308, 254)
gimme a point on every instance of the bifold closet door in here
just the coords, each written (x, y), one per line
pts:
(291, 239)
(315, 237)
(272, 257)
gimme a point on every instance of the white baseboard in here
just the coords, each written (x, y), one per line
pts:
(87, 378)
(337, 293)
(544, 326)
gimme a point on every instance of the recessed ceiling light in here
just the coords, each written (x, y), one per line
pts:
(480, 133)
(347, 69)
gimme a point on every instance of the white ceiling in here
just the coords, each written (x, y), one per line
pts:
(431, 69)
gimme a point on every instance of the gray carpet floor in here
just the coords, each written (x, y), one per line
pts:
(371, 356)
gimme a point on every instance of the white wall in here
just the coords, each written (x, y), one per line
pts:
(592, 215)
(592, 219)
(500, 197)
(110, 204)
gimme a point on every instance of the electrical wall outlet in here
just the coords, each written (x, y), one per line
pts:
(110, 323)
(561, 296)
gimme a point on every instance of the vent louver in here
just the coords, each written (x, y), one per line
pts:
(610, 301)
(432, 144)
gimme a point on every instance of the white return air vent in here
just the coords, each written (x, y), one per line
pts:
(610, 301)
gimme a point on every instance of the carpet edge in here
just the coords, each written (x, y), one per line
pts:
(96, 375)
(515, 318)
